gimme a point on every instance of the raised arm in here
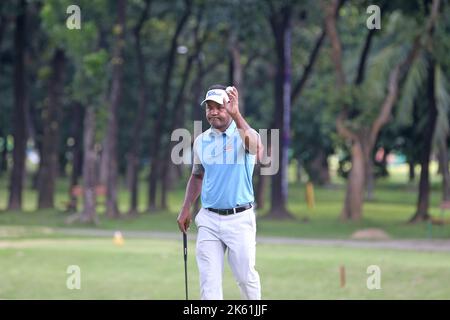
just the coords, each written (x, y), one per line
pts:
(251, 138)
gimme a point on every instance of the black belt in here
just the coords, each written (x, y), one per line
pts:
(226, 212)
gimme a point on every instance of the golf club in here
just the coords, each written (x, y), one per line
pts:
(185, 262)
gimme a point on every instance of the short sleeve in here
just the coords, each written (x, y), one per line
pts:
(254, 131)
(197, 167)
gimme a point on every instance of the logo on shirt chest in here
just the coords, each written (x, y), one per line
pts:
(228, 147)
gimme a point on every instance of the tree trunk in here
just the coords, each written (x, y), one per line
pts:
(424, 184)
(236, 68)
(128, 172)
(133, 156)
(153, 181)
(133, 173)
(4, 153)
(18, 120)
(61, 163)
(196, 88)
(412, 173)
(51, 120)
(112, 210)
(443, 160)
(355, 185)
(103, 163)
(3, 134)
(368, 160)
(299, 86)
(3, 24)
(318, 170)
(298, 171)
(164, 187)
(77, 154)
(176, 122)
(281, 28)
(369, 177)
(398, 72)
(89, 167)
(260, 189)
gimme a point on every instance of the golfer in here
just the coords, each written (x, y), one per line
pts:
(224, 158)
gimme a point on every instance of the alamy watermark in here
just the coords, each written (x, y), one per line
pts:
(374, 20)
(74, 20)
(374, 280)
(214, 149)
(74, 280)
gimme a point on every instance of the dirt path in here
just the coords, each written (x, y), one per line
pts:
(403, 244)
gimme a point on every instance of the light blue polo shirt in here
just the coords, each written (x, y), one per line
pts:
(228, 168)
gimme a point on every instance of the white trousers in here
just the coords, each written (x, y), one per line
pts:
(233, 233)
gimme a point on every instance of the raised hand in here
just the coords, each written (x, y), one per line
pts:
(232, 107)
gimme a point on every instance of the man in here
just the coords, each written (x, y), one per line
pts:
(224, 158)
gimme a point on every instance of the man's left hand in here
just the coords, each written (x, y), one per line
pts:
(232, 107)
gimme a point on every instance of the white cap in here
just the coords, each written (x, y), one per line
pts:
(216, 95)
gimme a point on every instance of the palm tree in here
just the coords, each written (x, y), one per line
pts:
(427, 76)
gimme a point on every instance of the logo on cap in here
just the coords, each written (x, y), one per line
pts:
(213, 93)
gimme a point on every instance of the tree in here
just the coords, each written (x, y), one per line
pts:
(441, 135)
(280, 22)
(424, 184)
(86, 86)
(313, 127)
(162, 109)
(76, 133)
(3, 127)
(281, 19)
(133, 155)
(311, 124)
(443, 160)
(426, 91)
(117, 61)
(91, 78)
(435, 132)
(364, 137)
(179, 104)
(18, 120)
(48, 170)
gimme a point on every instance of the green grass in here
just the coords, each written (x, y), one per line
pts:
(34, 256)
(153, 269)
(393, 205)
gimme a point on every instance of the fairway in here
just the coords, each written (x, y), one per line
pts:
(153, 269)
(312, 141)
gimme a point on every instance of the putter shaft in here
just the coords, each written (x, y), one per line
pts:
(185, 263)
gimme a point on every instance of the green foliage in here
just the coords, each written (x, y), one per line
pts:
(88, 69)
(313, 128)
(443, 105)
(89, 79)
(416, 79)
(76, 42)
(44, 73)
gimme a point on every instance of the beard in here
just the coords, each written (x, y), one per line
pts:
(218, 122)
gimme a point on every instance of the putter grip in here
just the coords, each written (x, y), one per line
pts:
(185, 245)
